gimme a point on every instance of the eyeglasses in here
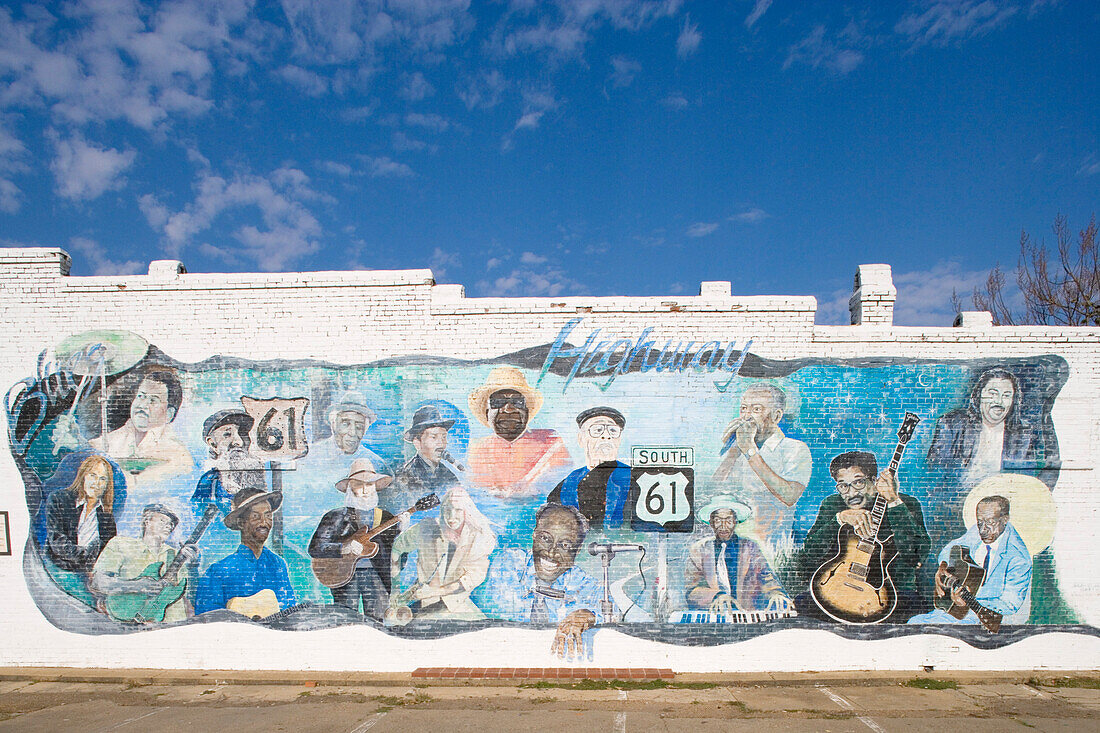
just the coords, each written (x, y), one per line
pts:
(496, 402)
(547, 540)
(599, 430)
(860, 484)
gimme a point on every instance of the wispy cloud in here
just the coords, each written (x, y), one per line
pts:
(818, 51)
(751, 216)
(530, 281)
(384, 167)
(305, 81)
(675, 101)
(536, 103)
(96, 256)
(944, 21)
(623, 71)
(758, 11)
(701, 229)
(483, 90)
(441, 260)
(84, 171)
(1090, 166)
(283, 232)
(414, 87)
(530, 258)
(433, 122)
(688, 41)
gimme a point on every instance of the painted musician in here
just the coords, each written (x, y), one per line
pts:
(995, 546)
(80, 519)
(514, 461)
(370, 582)
(727, 573)
(424, 473)
(857, 484)
(600, 487)
(121, 564)
(765, 467)
(226, 436)
(543, 585)
(253, 576)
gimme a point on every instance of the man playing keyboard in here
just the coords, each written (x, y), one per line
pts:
(727, 573)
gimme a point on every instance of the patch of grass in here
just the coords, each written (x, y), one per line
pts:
(1087, 683)
(207, 692)
(1026, 725)
(383, 708)
(542, 700)
(928, 683)
(587, 684)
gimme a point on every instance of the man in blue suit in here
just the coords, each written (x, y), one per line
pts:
(996, 546)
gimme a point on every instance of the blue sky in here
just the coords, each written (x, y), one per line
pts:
(599, 147)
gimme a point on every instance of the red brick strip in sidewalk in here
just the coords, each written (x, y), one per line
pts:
(542, 673)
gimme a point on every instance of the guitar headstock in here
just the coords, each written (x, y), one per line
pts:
(425, 503)
(908, 426)
(208, 514)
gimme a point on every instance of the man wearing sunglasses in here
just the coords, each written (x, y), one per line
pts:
(857, 484)
(543, 586)
(514, 460)
(600, 487)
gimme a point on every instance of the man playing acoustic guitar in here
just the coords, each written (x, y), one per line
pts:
(120, 567)
(857, 484)
(996, 547)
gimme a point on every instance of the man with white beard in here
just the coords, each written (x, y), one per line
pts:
(226, 435)
(600, 487)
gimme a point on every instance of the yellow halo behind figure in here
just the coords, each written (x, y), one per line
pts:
(1031, 507)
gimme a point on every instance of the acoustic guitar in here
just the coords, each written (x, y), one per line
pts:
(965, 576)
(854, 586)
(144, 608)
(257, 606)
(334, 572)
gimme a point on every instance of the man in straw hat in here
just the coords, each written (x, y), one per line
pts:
(513, 461)
(349, 418)
(370, 582)
(252, 568)
(600, 487)
(226, 436)
(727, 573)
(425, 472)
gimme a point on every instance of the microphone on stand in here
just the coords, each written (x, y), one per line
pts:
(610, 548)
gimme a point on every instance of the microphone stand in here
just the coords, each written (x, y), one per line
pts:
(607, 608)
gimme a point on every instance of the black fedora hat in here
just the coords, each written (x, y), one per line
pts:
(426, 417)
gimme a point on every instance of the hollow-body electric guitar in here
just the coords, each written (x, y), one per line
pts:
(965, 577)
(334, 572)
(143, 608)
(854, 586)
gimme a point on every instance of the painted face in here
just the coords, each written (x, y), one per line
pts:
(996, 400)
(600, 437)
(757, 404)
(507, 413)
(227, 441)
(257, 524)
(431, 444)
(855, 487)
(723, 522)
(453, 516)
(156, 526)
(362, 489)
(150, 406)
(991, 522)
(554, 544)
(348, 428)
(95, 481)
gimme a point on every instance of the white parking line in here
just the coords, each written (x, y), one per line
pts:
(849, 706)
(620, 719)
(133, 720)
(368, 723)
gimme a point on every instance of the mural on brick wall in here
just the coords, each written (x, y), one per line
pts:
(688, 492)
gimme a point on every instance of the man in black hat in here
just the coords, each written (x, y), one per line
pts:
(600, 487)
(226, 436)
(425, 472)
(253, 572)
(334, 538)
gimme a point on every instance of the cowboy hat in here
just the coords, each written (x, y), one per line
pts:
(243, 501)
(503, 378)
(426, 417)
(363, 470)
(724, 501)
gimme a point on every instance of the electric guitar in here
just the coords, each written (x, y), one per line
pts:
(855, 587)
(334, 572)
(965, 577)
(144, 608)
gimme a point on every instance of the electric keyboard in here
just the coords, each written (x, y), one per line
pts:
(737, 617)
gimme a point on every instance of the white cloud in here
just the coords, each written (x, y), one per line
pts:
(548, 281)
(100, 262)
(307, 82)
(688, 41)
(484, 90)
(944, 21)
(675, 101)
(384, 167)
(433, 122)
(623, 71)
(758, 11)
(441, 260)
(12, 155)
(283, 232)
(818, 51)
(402, 142)
(83, 171)
(536, 103)
(530, 258)
(414, 87)
(337, 169)
(701, 229)
(751, 216)
(1090, 166)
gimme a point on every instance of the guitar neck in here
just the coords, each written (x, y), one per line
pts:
(388, 523)
(879, 509)
(196, 535)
